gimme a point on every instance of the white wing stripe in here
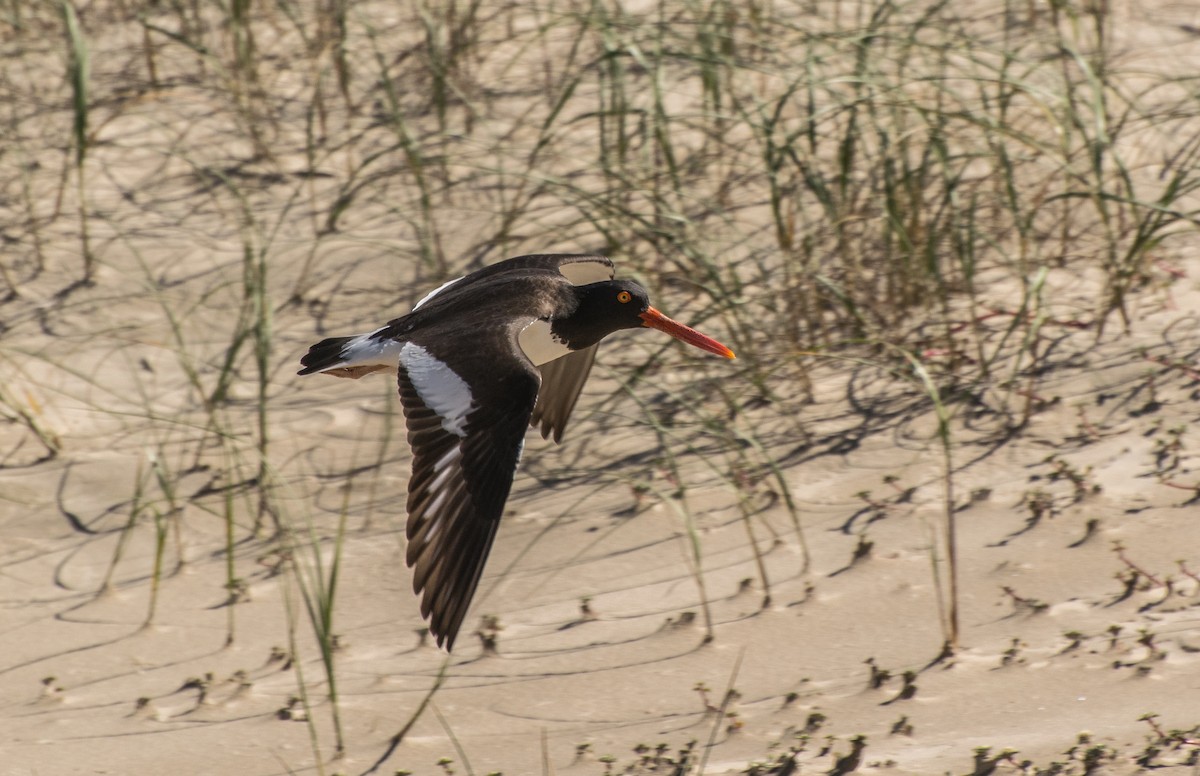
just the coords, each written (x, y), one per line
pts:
(432, 513)
(444, 469)
(439, 387)
(449, 457)
(435, 292)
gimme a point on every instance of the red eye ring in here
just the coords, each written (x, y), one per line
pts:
(624, 297)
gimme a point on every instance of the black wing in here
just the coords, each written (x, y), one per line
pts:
(457, 492)
(562, 380)
(578, 268)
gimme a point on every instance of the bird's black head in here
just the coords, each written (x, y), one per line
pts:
(603, 308)
(622, 304)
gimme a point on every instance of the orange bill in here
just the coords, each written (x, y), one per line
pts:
(656, 320)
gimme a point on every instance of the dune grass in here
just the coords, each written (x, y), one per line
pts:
(78, 76)
(888, 183)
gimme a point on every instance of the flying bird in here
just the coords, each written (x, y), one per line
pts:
(478, 360)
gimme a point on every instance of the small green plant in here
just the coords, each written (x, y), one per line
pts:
(1081, 487)
(1012, 654)
(27, 413)
(849, 762)
(908, 690)
(1074, 639)
(1023, 604)
(879, 676)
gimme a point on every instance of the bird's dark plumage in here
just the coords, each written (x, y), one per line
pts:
(479, 360)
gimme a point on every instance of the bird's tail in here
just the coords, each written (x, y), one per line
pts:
(351, 356)
(325, 354)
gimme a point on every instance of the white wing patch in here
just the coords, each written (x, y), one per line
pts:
(439, 387)
(583, 273)
(540, 344)
(435, 292)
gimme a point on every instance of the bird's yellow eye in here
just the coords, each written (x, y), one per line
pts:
(624, 296)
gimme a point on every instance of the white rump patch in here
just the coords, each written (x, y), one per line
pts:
(540, 344)
(584, 273)
(439, 387)
(365, 350)
(435, 292)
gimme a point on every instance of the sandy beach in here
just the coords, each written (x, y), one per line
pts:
(721, 569)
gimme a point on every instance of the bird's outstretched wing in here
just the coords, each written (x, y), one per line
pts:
(465, 454)
(562, 381)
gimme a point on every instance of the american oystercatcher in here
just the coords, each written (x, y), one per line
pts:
(478, 360)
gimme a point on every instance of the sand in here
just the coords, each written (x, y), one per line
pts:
(629, 622)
